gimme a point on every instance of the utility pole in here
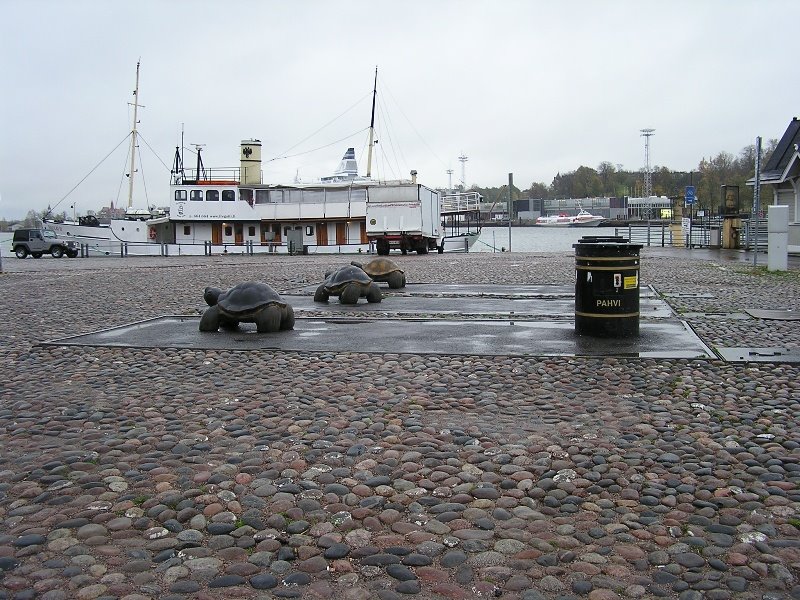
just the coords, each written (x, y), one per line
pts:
(463, 159)
(449, 181)
(756, 201)
(510, 207)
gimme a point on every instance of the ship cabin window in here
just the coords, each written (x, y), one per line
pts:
(309, 230)
(293, 196)
(262, 196)
(180, 195)
(247, 196)
(187, 230)
(212, 195)
(196, 195)
(251, 231)
(317, 196)
(228, 195)
(228, 231)
(276, 196)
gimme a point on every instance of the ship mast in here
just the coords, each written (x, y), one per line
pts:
(136, 106)
(372, 125)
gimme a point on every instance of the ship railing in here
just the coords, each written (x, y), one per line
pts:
(461, 203)
(248, 247)
(223, 174)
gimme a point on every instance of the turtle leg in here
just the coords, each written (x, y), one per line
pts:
(321, 295)
(395, 280)
(350, 294)
(374, 293)
(228, 324)
(268, 320)
(287, 320)
(210, 319)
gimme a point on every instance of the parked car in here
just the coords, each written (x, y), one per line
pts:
(38, 242)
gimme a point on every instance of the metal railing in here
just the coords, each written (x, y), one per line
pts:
(456, 203)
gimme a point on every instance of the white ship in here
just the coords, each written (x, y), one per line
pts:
(231, 210)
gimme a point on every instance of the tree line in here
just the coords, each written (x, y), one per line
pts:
(610, 180)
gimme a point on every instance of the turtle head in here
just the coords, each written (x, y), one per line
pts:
(211, 295)
(328, 273)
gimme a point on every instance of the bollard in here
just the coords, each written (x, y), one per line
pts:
(606, 287)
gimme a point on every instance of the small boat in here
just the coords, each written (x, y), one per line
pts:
(582, 219)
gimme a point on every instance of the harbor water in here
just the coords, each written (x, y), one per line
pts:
(534, 239)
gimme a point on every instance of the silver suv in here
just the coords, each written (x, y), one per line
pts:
(37, 242)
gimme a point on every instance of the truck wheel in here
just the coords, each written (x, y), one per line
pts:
(422, 248)
(21, 251)
(73, 254)
(440, 249)
(36, 254)
(383, 247)
(57, 252)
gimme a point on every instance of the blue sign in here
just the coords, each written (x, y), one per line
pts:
(690, 197)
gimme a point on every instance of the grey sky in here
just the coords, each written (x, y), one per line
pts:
(528, 87)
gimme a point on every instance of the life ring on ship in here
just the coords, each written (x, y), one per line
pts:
(151, 233)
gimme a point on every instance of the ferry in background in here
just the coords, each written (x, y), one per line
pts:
(582, 219)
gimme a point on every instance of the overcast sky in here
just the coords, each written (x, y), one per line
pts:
(528, 87)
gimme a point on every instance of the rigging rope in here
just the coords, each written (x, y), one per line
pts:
(383, 84)
(64, 197)
(281, 155)
(319, 148)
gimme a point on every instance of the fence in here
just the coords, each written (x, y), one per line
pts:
(703, 233)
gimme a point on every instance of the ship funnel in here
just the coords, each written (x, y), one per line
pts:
(250, 162)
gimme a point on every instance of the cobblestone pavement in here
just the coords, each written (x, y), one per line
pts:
(166, 473)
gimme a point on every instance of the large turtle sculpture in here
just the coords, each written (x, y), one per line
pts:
(249, 302)
(384, 269)
(349, 283)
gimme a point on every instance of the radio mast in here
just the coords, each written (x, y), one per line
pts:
(648, 175)
(463, 159)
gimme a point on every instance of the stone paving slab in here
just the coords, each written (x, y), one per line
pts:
(409, 336)
(650, 307)
(783, 355)
(779, 315)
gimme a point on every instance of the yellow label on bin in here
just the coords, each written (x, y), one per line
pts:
(631, 283)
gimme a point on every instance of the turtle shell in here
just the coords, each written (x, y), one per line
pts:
(378, 267)
(246, 298)
(348, 274)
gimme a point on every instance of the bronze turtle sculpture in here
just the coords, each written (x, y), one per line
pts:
(249, 302)
(383, 269)
(349, 283)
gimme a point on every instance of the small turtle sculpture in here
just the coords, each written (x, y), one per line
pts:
(349, 283)
(249, 302)
(384, 269)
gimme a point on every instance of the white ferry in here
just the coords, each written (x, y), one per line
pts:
(582, 219)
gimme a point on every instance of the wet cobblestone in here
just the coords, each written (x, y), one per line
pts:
(166, 473)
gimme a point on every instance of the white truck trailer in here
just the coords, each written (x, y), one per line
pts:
(407, 217)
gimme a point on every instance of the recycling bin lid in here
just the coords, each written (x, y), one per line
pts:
(603, 239)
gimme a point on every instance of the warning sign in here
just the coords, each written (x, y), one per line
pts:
(632, 282)
(617, 280)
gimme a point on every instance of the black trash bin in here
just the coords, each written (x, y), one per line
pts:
(606, 287)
